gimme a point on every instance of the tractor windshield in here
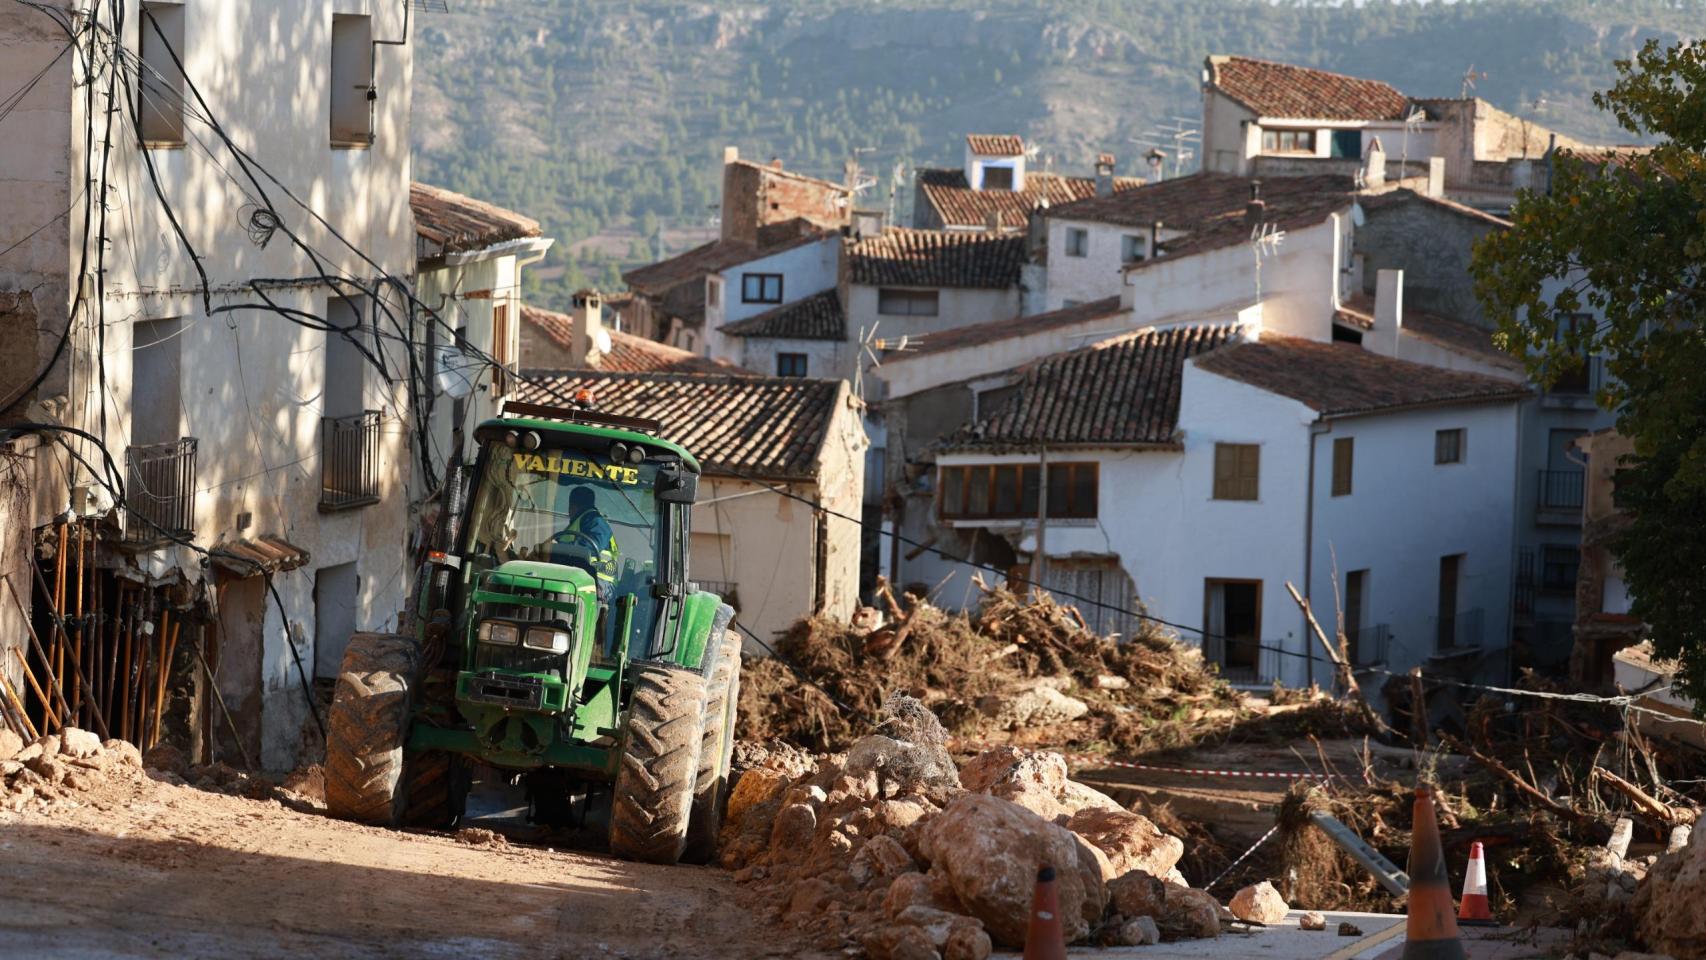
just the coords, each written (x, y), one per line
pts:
(573, 507)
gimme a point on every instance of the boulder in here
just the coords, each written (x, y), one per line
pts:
(80, 744)
(1312, 921)
(1038, 705)
(1190, 914)
(753, 788)
(931, 889)
(902, 765)
(1259, 903)
(921, 931)
(1130, 840)
(1667, 910)
(990, 851)
(1138, 894)
(10, 743)
(879, 861)
(791, 833)
(1139, 932)
(1036, 781)
(122, 752)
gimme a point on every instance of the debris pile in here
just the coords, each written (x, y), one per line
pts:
(61, 766)
(890, 848)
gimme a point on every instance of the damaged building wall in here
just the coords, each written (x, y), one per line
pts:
(17, 509)
(756, 549)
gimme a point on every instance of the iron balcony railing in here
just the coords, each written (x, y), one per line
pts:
(1455, 633)
(159, 490)
(1560, 490)
(1369, 645)
(1522, 596)
(349, 461)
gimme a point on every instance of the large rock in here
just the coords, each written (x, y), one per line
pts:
(1259, 903)
(902, 765)
(879, 861)
(1037, 706)
(1130, 841)
(1036, 781)
(1140, 932)
(1667, 903)
(990, 850)
(1190, 914)
(1138, 894)
(80, 744)
(10, 743)
(791, 833)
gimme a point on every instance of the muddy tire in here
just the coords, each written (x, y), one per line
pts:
(652, 798)
(716, 749)
(437, 792)
(368, 724)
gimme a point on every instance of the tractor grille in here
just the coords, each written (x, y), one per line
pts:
(524, 659)
(519, 692)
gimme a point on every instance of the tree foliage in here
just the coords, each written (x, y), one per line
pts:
(1623, 241)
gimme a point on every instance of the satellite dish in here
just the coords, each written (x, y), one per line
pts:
(601, 340)
(1357, 216)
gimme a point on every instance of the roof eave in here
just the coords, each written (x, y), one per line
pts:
(1514, 396)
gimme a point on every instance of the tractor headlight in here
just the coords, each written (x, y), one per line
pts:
(554, 639)
(494, 631)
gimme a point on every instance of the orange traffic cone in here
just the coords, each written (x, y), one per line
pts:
(1430, 931)
(1473, 908)
(1045, 939)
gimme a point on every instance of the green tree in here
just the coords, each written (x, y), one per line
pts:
(1626, 241)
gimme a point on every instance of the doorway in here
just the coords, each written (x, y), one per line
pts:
(1232, 623)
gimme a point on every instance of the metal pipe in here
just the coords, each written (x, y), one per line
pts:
(77, 641)
(56, 599)
(82, 682)
(111, 676)
(36, 645)
(49, 722)
(167, 650)
(125, 686)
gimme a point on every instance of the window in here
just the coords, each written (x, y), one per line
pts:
(500, 349)
(155, 381)
(1558, 569)
(1132, 247)
(997, 178)
(1448, 446)
(790, 364)
(1237, 468)
(713, 292)
(1288, 141)
(352, 76)
(1344, 449)
(161, 83)
(761, 288)
(1346, 143)
(1077, 242)
(1012, 491)
(908, 303)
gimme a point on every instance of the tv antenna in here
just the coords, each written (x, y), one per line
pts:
(870, 346)
(1469, 77)
(1411, 122)
(1265, 240)
(1174, 137)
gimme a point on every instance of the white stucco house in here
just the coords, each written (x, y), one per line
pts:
(235, 348)
(783, 293)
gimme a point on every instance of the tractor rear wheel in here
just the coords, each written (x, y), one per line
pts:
(716, 750)
(369, 722)
(652, 798)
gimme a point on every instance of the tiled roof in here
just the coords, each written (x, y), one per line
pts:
(1394, 198)
(719, 255)
(1124, 390)
(628, 353)
(817, 317)
(1201, 200)
(1296, 214)
(1284, 90)
(960, 206)
(995, 144)
(977, 334)
(766, 427)
(901, 257)
(1340, 380)
(1459, 337)
(458, 223)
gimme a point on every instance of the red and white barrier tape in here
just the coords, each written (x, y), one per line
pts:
(1084, 759)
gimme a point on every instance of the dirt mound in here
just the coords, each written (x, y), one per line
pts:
(71, 766)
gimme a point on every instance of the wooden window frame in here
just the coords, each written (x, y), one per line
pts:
(998, 170)
(500, 349)
(1026, 487)
(1461, 437)
(804, 361)
(762, 279)
(1302, 141)
(1344, 466)
(1232, 489)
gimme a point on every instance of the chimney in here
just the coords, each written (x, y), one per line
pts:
(1155, 239)
(1104, 175)
(1157, 162)
(730, 155)
(1388, 313)
(992, 222)
(589, 327)
(1257, 208)
(743, 189)
(1374, 168)
(1436, 176)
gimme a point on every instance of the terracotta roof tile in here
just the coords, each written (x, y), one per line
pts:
(995, 144)
(1341, 380)
(1459, 337)
(628, 353)
(1285, 90)
(903, 257)
(817, 317)
(977, 334)
(1121, 391)
(1394, 198)
(766, 427)
(458, 223)
(1304, 211)
(718, 255)
(1202, 200)
(958, 205)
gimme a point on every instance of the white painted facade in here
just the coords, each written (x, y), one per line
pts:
(251, 386)
(1232, 136)
(805, 269)
(834, 359)
(976, 163)
(1099, 271)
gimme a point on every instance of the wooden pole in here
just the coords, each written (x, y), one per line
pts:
(165, 675)
(82, 681)
(1346, 677)
(57, 601)
(41, 651)
(126, 685)
(111, 676)
(49, 722)
(77, 618)
(17, 705)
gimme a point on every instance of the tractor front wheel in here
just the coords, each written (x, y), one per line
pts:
(716, 750)
(652, 799)
(368, 724)
(438, 783)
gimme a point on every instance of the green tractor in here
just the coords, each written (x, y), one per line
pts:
(557, 639)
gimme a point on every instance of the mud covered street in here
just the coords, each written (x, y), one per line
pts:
(135, 866)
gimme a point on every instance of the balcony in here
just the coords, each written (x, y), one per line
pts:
(159, 491)
(1575, 388)
(349, 461)
(1558, 497)
(1462, 632)
(1369, 646)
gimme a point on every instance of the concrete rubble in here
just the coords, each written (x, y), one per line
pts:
(1668, 902)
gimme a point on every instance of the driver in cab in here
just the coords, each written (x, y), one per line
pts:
(590, 534)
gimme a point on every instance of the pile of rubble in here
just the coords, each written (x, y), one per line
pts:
(61, 766)
(891, 848)
(1021, 668)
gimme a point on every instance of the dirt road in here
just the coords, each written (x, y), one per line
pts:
(135, 867)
